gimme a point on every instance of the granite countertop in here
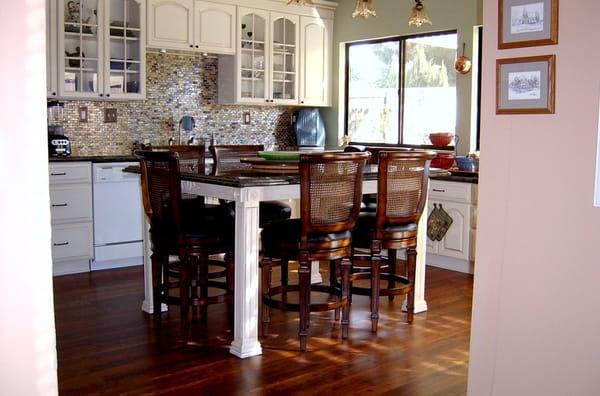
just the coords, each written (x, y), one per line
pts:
(458, 176)
(96, 158)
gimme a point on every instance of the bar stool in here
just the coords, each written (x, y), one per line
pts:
(401, 197)
(192, 233)
(330, 192)
(227, 158)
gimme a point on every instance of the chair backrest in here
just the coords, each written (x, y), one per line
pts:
(330, 191)
(161, 187)
(402, 186)
(196, 164)
(227, 157)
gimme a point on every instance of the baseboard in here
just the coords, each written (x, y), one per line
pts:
(450, 263)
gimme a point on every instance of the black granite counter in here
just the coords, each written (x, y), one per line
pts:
(96, 158)
(458, 176)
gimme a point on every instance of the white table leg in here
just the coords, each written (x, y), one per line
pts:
(245, 332)
(420, 303)
(147, 304)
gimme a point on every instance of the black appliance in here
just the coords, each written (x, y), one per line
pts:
(58, 144)
(309, 129)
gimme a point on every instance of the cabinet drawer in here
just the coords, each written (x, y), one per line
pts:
(450, 191)
(71, 240)
(80, 172)
(71, 203)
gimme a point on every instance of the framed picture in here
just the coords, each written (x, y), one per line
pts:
(527, 23)
(525, 85)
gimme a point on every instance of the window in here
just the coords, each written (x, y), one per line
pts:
(401, 89)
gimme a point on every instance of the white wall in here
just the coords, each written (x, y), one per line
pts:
(536, 320)
(392, 20)
(27, 335)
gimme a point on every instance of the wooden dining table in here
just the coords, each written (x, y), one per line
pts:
(247, 189)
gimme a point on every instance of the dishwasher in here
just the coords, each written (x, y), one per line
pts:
(118, 221)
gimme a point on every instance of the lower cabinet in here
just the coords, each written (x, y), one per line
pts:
(456, 250)
(71, 213)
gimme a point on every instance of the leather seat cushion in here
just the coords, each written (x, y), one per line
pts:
(269, 211)
(201, 224)
(284, 238)
(364, 231)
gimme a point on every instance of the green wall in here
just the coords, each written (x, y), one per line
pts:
(392, 20)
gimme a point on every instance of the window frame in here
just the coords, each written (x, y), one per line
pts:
(401, 40)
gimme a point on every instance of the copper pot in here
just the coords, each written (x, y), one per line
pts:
(463, 64)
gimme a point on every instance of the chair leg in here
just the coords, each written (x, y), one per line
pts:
(345, 269)
(284, 277)
(184, 294)
(333, 284)
(266, 265)
(392, 257)
(411, 268)
(304, 283)
(375, 269)
(202, 265)
(158, 262)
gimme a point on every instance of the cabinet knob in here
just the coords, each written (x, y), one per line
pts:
(101, 95)
(53, 93)
(197, 46)
(108, 95)
(302, 102)
(191, 46)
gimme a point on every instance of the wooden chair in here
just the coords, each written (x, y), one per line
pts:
(227, 158)
(401, 196)
(192, 232)
(330, 192)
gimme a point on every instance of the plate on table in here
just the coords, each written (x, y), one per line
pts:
(280, 155)
(263, 165)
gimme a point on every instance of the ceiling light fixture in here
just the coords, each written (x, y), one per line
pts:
(418, 16)
(301, 3)
(364, 9)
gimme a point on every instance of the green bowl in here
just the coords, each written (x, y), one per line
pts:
(280, 155)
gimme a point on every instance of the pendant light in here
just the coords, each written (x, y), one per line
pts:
(364, 9)
(418, 16)
(301, 3)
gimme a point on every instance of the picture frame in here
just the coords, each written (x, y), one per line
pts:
(527, 23)
(525, 85)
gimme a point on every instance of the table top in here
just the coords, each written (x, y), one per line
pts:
(248, 178)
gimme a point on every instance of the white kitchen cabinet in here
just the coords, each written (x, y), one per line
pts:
(72, 218)
(199, 25)
(316, 38)
(214, 27)
(266, 67)
(101, 49)
(171, 24)
(456, 250)
(51, 49)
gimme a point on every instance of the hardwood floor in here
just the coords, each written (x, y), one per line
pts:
(107, 346)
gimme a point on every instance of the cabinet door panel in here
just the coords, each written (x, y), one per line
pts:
(71, 203)
(253, 60)
(214, 27)
(69, 241)
(51, 44)
(315, 61)
(432, 246)
(456, 241)
(284, 58)
(170, 24)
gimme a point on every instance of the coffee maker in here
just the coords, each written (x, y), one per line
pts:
(58, 144)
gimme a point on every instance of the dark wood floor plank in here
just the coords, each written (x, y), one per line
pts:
(107, 346)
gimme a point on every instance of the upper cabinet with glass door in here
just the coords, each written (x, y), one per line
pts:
(284, 58)
(124, 50)
(101, 49)
(254, 56)
(80, 49)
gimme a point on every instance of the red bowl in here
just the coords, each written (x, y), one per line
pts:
(443, 161)
(441, 139)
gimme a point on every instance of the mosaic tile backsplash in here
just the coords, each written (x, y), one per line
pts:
(176, 85)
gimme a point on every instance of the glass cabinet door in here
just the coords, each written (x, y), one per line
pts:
(79, 46)
(284, 58)
(254, 56)
(124, 48)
